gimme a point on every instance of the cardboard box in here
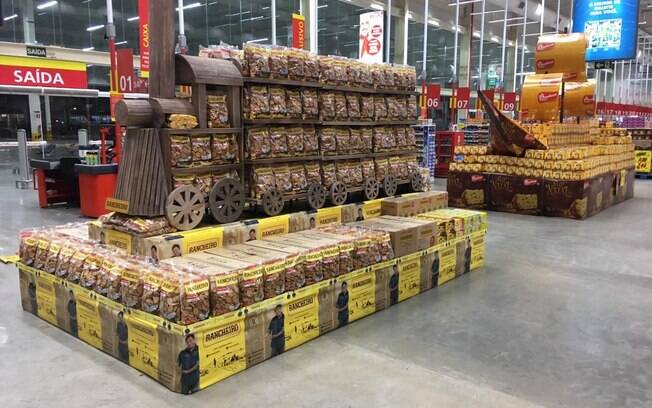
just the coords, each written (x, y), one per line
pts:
(444, 225)
(515, 194)
(403, 206)
(426, 230)
(467, 190)
(566, 198)
(404, 237)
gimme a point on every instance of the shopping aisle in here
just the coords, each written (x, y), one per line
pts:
(559, 316)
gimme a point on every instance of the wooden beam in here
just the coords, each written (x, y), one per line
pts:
(162, 43)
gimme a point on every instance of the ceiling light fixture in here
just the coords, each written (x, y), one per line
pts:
(47, 4)
(88, 49)
(377, 6)
(134, 18)
(433, 22)
(121, 42)
(190, 6)
(539, 9)
(95, 27)
(11, 17)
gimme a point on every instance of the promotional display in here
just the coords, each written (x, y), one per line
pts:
(41, 72)
(191, 321)
(611, 28)
(541, 97)
(298, 31)
(372, 34)
(579, 99)
(562, 53)
(143, 26)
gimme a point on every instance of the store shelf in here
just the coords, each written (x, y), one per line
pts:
(192, 132)
(341, 88)
(367, 123)
(282, 121)
(274, 160)
(284, 82)
(181, 171)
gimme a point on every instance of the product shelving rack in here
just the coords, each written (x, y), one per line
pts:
(425, 135)
(475, 133)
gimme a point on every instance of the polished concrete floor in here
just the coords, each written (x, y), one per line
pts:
(560, 316)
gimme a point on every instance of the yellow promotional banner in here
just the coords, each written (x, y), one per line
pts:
(202, 239)
(371, 208)
(120, 206)
(221, 350)
(117, 239)
(541, 97)
(562, 54)
(477, 250)
(301, 317)
(330, 215)
(447, 262)
(143, 346)
(271, 226)
(45, 297)
(643, 161)
(409, 269)
(362, 293)
(89, 325)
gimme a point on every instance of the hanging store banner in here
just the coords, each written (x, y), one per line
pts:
(509, 101)
(434, 94)
(125, 58)
(372, 31)
(40, 72)
(462, 98)
(298, 31)
(143, 21)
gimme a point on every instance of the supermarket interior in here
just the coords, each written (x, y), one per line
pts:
(408, 202)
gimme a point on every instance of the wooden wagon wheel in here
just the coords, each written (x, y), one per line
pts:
(273, 201)
(390, 185)
(316, 196)
(416, 181)
(371, 189)
(338, 193)
(226, 200)
(185, 207)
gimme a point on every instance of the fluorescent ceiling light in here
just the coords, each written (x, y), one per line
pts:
(539, 10)
(495, 39)
(433, 22)
(88, 49)
(322, 6)
(377, 6)
(476, 34)
(121, 42)
(11, 17)
(190, 6)
(642, 22)
(408, 15)
(47, 4)
(510, 43)
(94, 28)
(134, 18)
(639, 54)
(258, 40)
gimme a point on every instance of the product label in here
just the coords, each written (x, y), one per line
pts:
(253, 273)
(371, 208)
(143, 346)
(89, 325)
(196, 287)
(120, 206)
(409, 277)
(301, 318)
(46, 298)
(131, 276)
(202, 240)
(362, 294)
(221, 351)
(477, 250)
(447, 262)
(118, 239)
(227, 279)
(268, 227)
(326, 216)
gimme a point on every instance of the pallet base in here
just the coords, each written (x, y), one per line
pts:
(232, 343)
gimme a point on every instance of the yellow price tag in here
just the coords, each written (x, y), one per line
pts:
(643, 161)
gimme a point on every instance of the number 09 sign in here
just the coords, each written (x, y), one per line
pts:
(509, 101)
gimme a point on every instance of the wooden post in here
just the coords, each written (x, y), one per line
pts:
(162, 41)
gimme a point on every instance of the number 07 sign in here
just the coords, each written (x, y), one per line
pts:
(462, 98)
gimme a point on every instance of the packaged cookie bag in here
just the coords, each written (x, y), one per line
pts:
(328, 174)
(294, 103)
(341, 112)
(310, 141)
(367, 136)
(278, 141)
(310, 103)
(298, 178)
(263, 180)
(327, 105)
(195, 296)
(277, 102)
(131, 284)
(327, 140)
(296, 64)
(283, 178)
(217, 111)
(257, 102)
(180, 151)
(201, 150)
(353, 106)
(257, 60)
(355, 141)
(313, 173)
(278, 62)
(343, 140)
(258, 143)
(380, 107)
(295, 140)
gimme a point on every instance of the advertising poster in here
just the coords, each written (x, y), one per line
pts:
(46, 304)
(89, 326)
(611, 28)
(356, 294)
(142, 341)
(409, 279)
(372, 27)
(301, 317)
(221, 350)
(447, 260)
(298, 31)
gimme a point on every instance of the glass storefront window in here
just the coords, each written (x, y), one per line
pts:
(71, 114)
(11, 29)
(233, 22)
(338, 27)
(284, 11)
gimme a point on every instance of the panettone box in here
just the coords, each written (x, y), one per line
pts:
(467, 190)
(566, 198)
(515, 194)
